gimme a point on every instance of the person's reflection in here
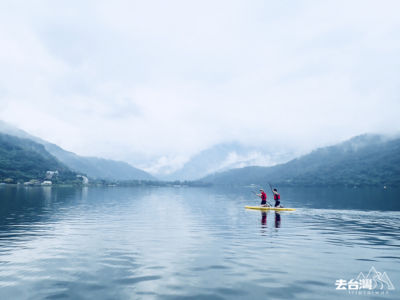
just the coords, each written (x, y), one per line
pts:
(263, 223)
(264, 219)
(277, 220)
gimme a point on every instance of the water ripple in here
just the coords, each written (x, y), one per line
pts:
(125, 243)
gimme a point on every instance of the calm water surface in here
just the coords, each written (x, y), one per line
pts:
(193, 243)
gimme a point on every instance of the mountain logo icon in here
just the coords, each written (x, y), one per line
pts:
(378, 280)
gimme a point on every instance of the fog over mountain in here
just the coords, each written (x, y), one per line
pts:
(94, 167)
(23, 159)
(366, 160)
(222, 157)
(155, 83)
(218, 158)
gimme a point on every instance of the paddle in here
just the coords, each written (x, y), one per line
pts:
(271, 188)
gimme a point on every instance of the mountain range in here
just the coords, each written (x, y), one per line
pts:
(226, 156)
(23, 160)
(94, 167)
(363, 160)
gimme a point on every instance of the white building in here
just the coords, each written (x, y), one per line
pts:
(85, 180)
(51, 174)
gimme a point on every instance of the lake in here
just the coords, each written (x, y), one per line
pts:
(197, 243)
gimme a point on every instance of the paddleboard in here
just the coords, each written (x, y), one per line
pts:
(269, 208)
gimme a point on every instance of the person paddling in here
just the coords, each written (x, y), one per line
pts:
(277, 198)
(263, 197)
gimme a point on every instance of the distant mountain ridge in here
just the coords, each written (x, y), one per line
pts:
(225, 156)
(23, 159)
(97, 168)
(363, 160)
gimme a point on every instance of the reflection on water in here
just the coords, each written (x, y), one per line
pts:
(277, 220)
(263, 219)
(166, 243)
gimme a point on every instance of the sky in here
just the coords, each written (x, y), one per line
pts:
(138, 80)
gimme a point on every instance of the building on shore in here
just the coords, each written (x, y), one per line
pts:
(32, 182)
(51, 174)
(85, 180)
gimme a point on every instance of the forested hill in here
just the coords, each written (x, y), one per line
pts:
(94, 167)
(363, 160)
(23, 159)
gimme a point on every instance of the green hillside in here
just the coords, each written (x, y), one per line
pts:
(94, 167)
(98, 168)
(23, 160)
(363, 160)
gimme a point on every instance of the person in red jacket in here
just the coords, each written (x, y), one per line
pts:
(263, 197)
(277, 198)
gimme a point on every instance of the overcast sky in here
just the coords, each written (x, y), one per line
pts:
(153, 78)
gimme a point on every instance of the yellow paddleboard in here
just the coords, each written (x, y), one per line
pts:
(269, 208)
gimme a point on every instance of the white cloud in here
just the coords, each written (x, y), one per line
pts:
(167, 79)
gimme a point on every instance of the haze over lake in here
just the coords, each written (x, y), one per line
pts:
(193, 243)
(134, 133)
(155, 83)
